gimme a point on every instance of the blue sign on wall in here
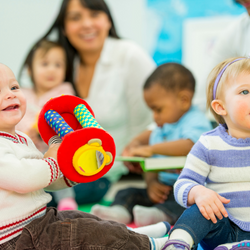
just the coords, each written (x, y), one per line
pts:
(172, 13)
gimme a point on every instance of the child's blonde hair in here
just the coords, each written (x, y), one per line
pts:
(230, 74)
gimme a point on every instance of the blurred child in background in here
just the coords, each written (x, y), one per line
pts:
(47, 67)
(168, 92)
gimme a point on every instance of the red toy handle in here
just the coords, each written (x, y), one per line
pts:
(78, 146)
(64, 105)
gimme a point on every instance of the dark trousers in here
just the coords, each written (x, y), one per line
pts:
(76, 230)
(136, 196)
(208, 234)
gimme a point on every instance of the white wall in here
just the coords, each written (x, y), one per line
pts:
(22, 22)
(130, 18)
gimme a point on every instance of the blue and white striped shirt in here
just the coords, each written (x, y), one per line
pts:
(221, 163)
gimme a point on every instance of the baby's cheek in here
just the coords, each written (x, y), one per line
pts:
(242, 109)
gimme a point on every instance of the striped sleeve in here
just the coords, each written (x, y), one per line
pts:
(70, 183)
(54, 169)
(195, 172)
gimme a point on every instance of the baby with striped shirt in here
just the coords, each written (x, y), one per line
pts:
(215, 182)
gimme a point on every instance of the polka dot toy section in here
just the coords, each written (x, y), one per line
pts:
(57, 123)
(85, 118)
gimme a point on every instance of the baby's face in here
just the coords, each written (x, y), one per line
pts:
(164, 104)
(48, 69)
(12, 101)
(236, 102)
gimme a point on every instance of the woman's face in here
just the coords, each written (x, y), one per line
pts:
(86, 29)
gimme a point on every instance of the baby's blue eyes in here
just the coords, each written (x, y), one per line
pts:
(14, 88)
(244, 92)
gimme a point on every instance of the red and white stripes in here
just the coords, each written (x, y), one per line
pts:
(10, 231)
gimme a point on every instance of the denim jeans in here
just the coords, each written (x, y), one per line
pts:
(85, 193)
(205, 232)
(75, 230)
(138, 196)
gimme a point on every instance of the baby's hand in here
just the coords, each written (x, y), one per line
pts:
(52, 151)
(133, 167)
(209, 203)
(126, 150)
(158, 192)
(144, 151)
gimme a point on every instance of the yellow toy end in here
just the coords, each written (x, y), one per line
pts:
(91, 158)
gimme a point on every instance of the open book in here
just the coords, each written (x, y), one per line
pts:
(153, 164)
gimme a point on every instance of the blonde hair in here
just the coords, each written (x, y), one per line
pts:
(230, 74)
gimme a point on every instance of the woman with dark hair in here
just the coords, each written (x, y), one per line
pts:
(108, 72)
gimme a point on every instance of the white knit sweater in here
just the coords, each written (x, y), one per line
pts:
(23, 176)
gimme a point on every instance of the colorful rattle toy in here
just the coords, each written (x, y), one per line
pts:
(87, 151)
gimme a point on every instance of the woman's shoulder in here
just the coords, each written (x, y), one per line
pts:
(127, 53)
(238, 25)
(124, 47)
(123, 43)
(243, 19)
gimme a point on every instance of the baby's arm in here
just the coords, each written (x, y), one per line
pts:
(140, 140)
(157, 192)
(52, 151)
(28, 173)
(62, 182)
(189, 188)
(209, 202)
(171, 148)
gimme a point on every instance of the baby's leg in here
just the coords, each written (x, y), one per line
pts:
(243, 245)
(75, 229)
(157, 230)
(169, 211)
(124, 202)
(65, 199)
(192, 228)
(240, 241)
(144, 216)
(116, 213)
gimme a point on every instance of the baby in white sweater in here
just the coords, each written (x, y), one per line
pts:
(25, 221)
